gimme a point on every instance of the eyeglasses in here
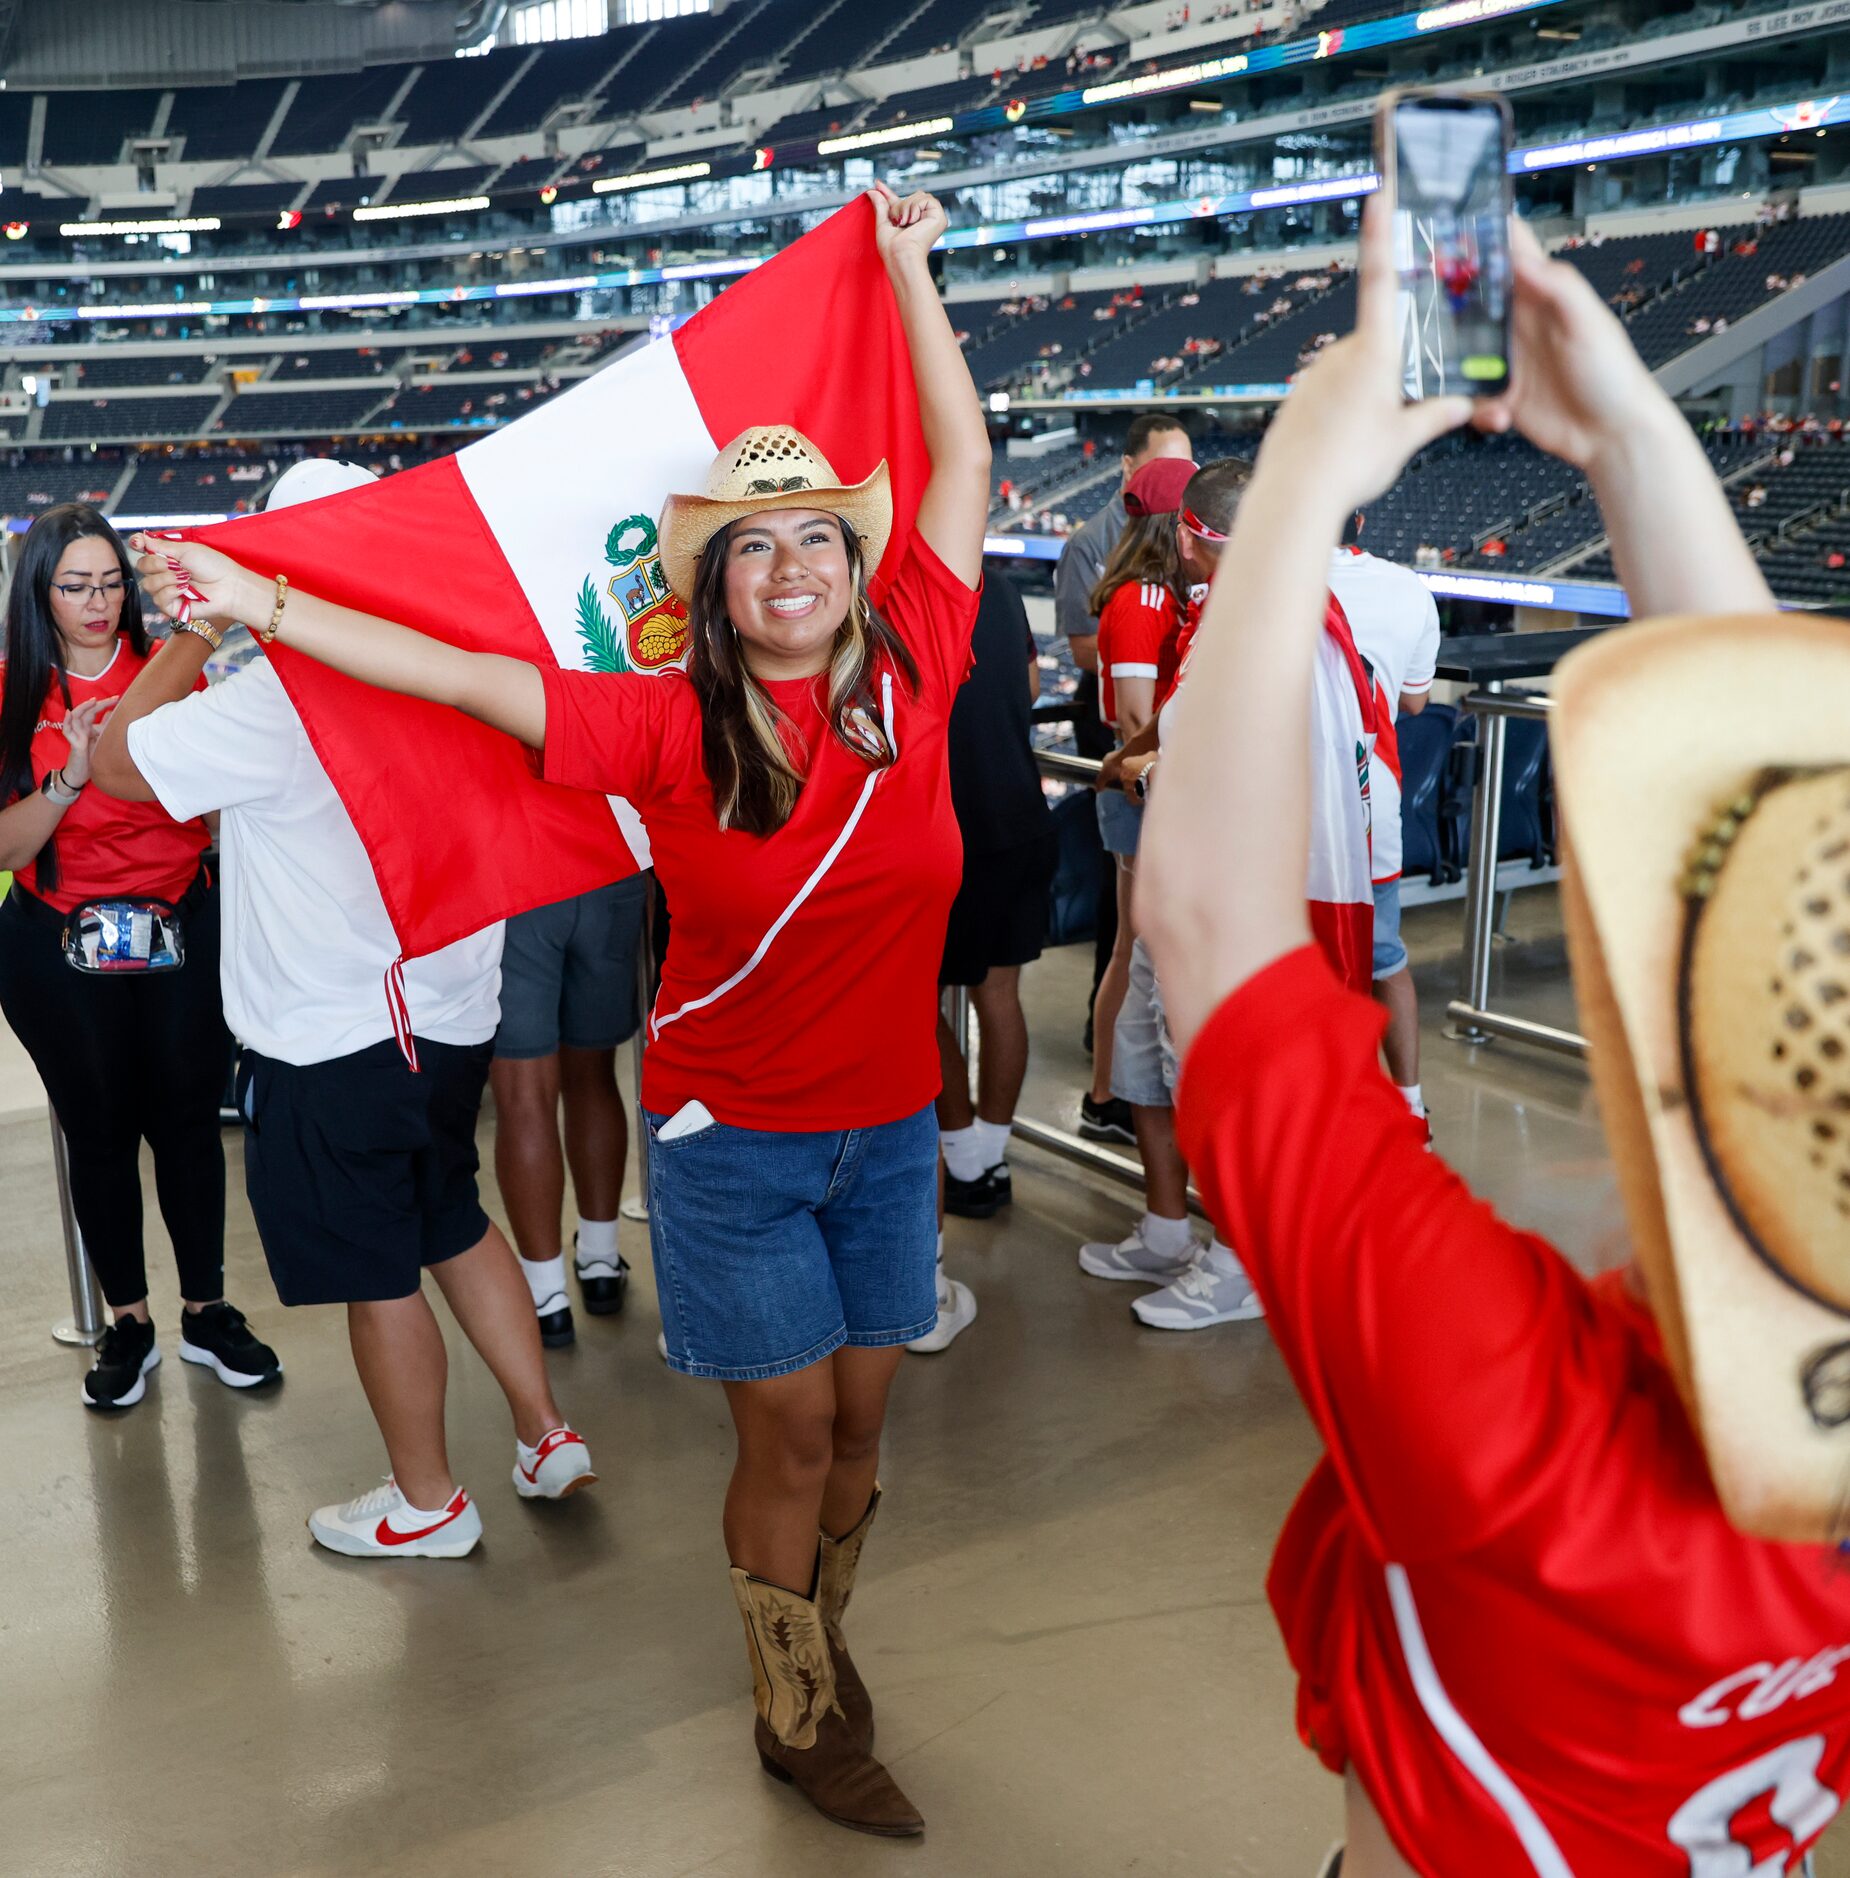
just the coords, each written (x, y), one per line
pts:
(81, 590)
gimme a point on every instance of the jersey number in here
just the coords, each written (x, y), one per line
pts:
(1799, 1803)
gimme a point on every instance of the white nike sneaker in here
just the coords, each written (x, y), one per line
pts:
(956, 1313)
(1214, 1290)
(559, 1466)
(381, 1524)
(1133, 1258)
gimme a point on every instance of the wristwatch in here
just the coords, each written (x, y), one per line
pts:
(55, 789)
(200, 630)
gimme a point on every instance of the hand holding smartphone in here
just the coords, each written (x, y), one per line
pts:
(1443, 158)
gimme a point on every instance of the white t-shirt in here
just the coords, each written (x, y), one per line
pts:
(307, 944)
(1396, 628)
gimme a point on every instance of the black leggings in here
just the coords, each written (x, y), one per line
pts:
(141, 1056)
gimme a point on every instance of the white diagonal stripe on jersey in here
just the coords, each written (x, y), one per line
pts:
(1537, 1841)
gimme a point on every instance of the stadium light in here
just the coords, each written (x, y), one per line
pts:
(897, 133)
(190, 225)
(399, 211)
(644, 179)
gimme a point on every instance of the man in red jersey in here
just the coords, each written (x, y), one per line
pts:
(1529, 1621)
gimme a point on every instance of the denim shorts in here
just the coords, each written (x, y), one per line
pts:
(568, 973)
(1136, 1040)
(774, 1250)
(1120, 821)
(1390, 952)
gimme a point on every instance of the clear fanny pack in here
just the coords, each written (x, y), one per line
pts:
(108, 936)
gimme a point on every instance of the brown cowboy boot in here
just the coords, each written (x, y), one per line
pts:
(801, 1735)
(834, 1587)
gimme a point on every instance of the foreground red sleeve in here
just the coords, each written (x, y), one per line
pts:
(1448, 1360)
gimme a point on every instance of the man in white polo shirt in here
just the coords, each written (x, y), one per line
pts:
(1396, 629)
(360, 1084)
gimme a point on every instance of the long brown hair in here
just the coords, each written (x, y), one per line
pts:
(755, 784)
(1145, 552)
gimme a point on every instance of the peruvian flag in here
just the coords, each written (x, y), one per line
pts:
(1341, 890)
(539, 542)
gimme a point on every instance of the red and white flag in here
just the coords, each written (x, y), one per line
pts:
(539, 542)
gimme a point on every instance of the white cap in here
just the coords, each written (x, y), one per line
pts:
(314, 477)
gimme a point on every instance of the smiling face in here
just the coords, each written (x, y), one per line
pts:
(87, 621)
(788, 589)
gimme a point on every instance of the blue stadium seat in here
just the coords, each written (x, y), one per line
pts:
(1425, 754)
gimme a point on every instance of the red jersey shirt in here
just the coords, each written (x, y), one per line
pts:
(1137, 635)
(1509, 1591)
(106, 847)
(800, 989)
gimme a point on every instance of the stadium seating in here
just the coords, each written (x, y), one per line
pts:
(935, 28)
(558, 73)
(945, 100)
(91, 126)
(223, 121)
(447, 97)
(254, 412)
(204, 484)
(104, 372)
(28, 485)
(367, 362)
(243, 198)
(327, 108)
(73, 418)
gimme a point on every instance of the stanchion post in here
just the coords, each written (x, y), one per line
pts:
(1486, 833)
(638, 1208)
(85, 1323)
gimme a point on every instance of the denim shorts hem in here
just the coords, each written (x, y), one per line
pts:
(885, 1339)
(765, 1372)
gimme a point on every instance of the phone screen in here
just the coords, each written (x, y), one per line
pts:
(1451, 245)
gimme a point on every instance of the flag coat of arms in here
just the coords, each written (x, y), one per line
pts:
(539, 542)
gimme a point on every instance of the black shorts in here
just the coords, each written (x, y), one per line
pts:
(1000, 914)
(359, 1172)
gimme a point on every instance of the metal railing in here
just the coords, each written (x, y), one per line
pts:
(85, 1323)
(1476, 1022)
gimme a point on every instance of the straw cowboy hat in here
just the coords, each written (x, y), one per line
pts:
(771, 466)
(1703, 768)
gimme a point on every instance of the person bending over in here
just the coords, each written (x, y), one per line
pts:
(359, 1144)
(794, 786)
(127, 1053)
(1522, 1622)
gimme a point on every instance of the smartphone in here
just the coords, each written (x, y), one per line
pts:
(1444, 160)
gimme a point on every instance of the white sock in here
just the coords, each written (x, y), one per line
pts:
(546, 1280)
(940, 1245)
(597, 1242)
(1169, 1237)
(963, 1152)
(1410, 1094)
(994, 1140)
(424, 1512)
(1222, 1257)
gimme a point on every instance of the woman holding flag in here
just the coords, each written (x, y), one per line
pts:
(795, 790)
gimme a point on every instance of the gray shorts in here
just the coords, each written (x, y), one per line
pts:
(1137, 1071)
(1390, 952)
(568, 973)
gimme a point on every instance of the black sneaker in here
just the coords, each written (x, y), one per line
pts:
(218, 1338)
(1109, 1120)
(600, 1283)
(557, 1328)
(125, 1353)
(979, 1198)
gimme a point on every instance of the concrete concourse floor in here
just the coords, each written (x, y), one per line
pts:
(1061, 1610)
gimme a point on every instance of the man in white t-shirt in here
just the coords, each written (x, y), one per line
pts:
(1396, 629)
(360, 1084)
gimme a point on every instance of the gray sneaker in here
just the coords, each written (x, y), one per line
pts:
(1132, 1258)
(1214, 1290)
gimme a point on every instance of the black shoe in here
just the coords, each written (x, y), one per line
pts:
(979, 1198)
(1109, 1120)
(557, 1328)
(220, 1339)
(601, 1288)
(125, 1353)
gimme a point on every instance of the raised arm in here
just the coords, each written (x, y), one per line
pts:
(26, 825)
(955, 507)
(1221, 868)
(161, 681)
(505, 693)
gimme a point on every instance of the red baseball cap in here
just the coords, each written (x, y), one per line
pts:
(1156, 489)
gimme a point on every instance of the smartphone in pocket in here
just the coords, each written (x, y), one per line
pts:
(1444, 161)
(689, 1119)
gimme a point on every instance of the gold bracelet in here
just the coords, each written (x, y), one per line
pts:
(269, 632)
(210, 634)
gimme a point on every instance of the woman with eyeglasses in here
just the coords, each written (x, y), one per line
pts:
(109, 958)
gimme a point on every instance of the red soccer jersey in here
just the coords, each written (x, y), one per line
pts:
(800, 990)
(1136, 639)
(106, 847)
(1509, 1591)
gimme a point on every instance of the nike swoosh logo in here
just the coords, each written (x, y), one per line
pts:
(386, 1535)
